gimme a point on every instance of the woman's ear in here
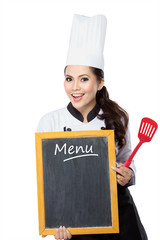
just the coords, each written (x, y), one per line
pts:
(101, 84)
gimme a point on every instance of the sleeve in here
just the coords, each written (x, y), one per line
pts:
(45, 124)
(124, 153)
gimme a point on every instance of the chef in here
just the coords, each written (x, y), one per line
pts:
(90, 108)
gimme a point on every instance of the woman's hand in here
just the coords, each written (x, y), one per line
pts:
(62, 233)
(123, 174)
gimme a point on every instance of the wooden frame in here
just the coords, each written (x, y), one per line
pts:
(113, 182)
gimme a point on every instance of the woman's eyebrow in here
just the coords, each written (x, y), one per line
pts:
(68, 75)
(83, 75)
(78, 76)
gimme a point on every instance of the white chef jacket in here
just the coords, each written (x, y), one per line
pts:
(70, 119)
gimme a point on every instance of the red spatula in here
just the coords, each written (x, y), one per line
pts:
(146, 132)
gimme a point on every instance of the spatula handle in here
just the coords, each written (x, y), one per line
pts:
(128, 162)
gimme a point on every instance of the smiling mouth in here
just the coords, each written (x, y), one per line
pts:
(77, 97)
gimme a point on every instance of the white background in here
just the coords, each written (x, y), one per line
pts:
(34, 43)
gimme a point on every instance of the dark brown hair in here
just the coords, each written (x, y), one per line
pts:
(115, 117)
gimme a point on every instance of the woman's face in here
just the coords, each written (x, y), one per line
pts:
(81, 86)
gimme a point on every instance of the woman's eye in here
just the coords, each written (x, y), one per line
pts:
(84, 79)
(68, 79)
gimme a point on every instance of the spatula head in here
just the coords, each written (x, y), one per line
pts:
(147, 129)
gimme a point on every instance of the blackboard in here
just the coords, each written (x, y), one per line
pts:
(76, 186)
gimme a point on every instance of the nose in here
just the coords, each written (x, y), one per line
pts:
(76, 85)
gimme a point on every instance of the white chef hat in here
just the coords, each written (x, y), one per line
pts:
(87, 41)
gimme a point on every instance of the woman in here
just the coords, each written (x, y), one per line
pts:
(90, 108)
(89, 103)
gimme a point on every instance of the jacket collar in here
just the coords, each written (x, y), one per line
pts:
(75, 113)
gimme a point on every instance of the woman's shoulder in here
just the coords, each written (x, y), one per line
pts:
(48, 120)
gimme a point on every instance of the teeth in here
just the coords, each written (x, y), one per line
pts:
(77, 95)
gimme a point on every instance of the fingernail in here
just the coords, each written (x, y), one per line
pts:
(113, 168)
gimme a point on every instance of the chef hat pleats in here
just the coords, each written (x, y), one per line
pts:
(87, 41)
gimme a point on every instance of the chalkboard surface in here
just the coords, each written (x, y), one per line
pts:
(77, 182)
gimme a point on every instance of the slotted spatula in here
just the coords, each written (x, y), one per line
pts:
(146, 132)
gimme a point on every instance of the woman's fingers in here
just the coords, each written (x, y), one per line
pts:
(69, 236)
(121, 180)
(62, 233)
(123, 174)
(65, 233)
(57, 234)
